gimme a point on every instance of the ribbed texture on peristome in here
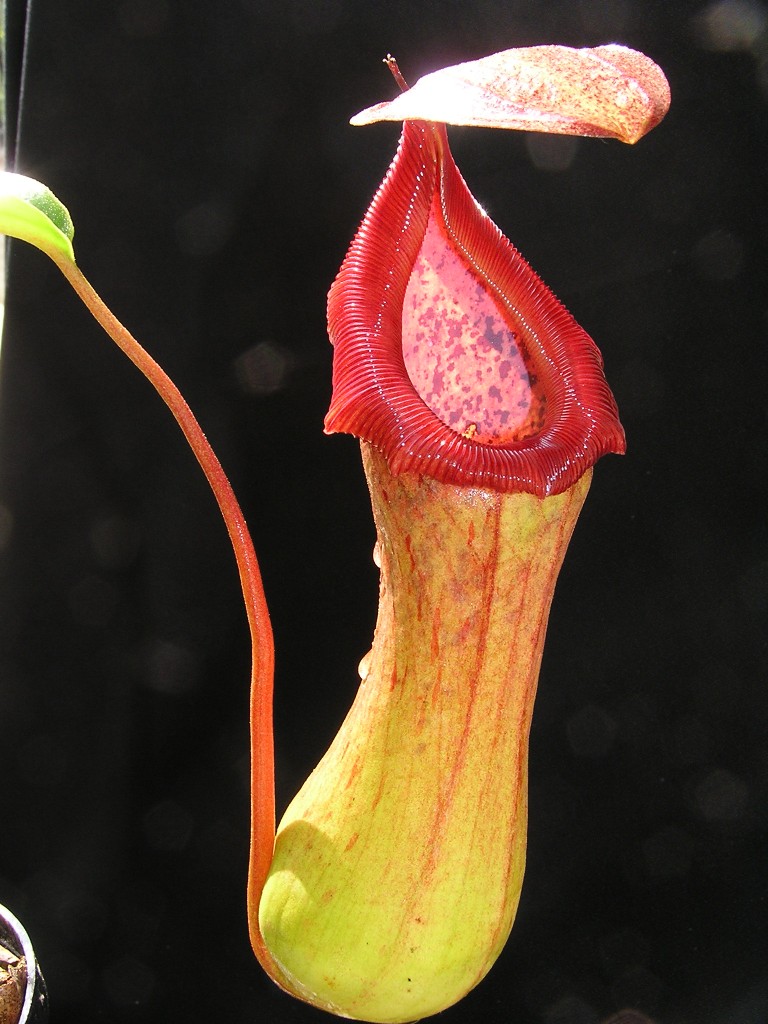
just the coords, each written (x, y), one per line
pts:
(373, 395)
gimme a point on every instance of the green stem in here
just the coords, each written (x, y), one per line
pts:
(262, 744)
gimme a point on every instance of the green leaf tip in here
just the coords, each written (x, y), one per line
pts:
(31, 212)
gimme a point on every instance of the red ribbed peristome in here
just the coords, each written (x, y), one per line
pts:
(373, 396)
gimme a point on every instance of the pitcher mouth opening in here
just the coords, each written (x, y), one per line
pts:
(451, 355)
(468, 355)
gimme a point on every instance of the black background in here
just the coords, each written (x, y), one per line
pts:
(205, 154)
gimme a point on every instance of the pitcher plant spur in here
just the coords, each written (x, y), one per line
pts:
(481, 407)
